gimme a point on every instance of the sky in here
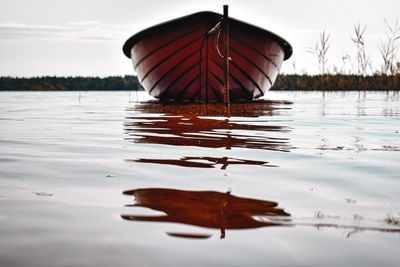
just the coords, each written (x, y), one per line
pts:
(85, 37)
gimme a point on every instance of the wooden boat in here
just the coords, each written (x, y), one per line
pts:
(194, 58)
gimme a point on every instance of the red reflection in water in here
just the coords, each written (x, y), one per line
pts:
(206, 209)
(205, 162)
(244, 109)
(202, 125)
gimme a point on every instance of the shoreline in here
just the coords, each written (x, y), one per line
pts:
(284, 82)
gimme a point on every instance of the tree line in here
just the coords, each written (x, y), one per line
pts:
(49, 83)
(338, 82)
(326, 82)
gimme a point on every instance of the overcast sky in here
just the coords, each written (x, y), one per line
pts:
(85, 37)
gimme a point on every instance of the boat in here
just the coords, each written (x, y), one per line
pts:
(206, 57)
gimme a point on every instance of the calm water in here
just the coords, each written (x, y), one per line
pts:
(114, 179)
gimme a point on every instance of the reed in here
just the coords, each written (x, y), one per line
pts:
(363, 61)
(388, 49)
(392, 219)
(321, 49)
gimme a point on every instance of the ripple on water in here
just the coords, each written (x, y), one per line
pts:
(103, 178)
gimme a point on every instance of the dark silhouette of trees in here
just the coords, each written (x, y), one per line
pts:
(337, 82)
(327, 82)
(70, 84)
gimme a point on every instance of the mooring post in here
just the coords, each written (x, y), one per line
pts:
(226, 56)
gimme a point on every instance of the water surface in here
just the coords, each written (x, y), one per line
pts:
(115, 178)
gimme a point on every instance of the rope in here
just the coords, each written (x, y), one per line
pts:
(205, 37)
(217, 28)
(217, 42)
(218, 25)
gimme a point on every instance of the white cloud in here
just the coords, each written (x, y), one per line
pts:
(74, 31)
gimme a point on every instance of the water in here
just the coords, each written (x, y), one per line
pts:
(114, 179)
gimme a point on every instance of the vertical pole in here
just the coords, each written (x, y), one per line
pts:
(206, 71)
(226, 56)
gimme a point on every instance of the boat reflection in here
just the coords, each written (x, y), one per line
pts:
(205, 162)
(224, 211)
(207, 209)
(243, 109)
(205, 125)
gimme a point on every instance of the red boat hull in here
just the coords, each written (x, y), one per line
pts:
(180, 60)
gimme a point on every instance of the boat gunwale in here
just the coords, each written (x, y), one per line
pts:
(206, 15)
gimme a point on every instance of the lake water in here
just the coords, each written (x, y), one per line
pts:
(115, 179)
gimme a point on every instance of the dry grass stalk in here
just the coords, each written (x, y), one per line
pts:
(321, 50)
(362, 59)
(345, 58)
(388, 49)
